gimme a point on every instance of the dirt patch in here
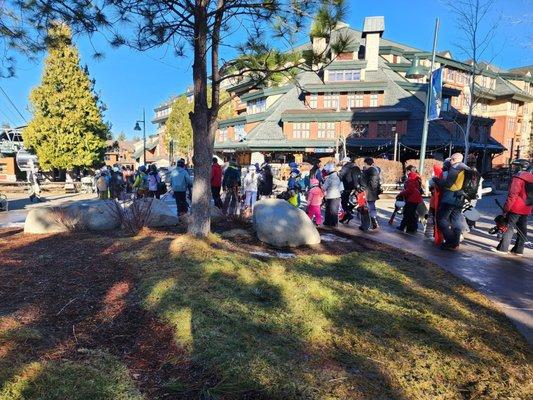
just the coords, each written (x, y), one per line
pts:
(78, 294)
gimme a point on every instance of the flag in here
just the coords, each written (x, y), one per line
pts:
(435, 99)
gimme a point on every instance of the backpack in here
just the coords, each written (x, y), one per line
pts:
(101, 184)
(529, 194)
(470, 184)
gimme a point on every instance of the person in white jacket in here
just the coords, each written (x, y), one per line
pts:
(250, 187)
(332, 193)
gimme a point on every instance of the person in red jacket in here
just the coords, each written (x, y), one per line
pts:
(517, 208)
(412, 197)
(216, 182)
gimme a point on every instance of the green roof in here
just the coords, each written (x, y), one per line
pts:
(257, 94)
(345, 87)
(351, 64)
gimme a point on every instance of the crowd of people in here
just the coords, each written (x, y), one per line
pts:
(343, 190)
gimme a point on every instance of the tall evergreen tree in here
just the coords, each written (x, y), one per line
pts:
(67, 129)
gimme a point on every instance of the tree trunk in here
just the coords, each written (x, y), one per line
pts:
(200, 220)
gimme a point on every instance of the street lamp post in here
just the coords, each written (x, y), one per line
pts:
(416, 72)
(138, 128)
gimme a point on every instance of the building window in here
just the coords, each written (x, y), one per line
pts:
(331, 100)
(359, 129)
(301, 130)
(326, 130)
(386, 129)
(373, 100)
(514, 106)
(107, 158)
(344, 75)
(394, 59)
(256, 106)
(240, 133)
(355, 100)
(313, 100)
(223, 134)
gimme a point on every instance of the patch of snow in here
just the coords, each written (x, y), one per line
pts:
(285, 255)
(329, 237)
(261, 254)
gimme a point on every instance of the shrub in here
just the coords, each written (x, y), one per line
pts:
(428, 166)
(391, 171)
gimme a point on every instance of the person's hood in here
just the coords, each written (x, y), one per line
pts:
(460, 166)
(413, 176)
(437, 170)
(526, 176)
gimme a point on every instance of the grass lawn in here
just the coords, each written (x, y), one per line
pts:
(165, 316)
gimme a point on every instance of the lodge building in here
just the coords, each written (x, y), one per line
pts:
(363, 99)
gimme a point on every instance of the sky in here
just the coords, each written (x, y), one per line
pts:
(129, 81)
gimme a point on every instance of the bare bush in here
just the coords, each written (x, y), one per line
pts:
(68, 219)
(133, 215)
(391, 171)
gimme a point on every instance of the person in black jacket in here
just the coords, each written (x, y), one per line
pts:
(231, 182)
(351, 176)
(372, 185)
(265, 181)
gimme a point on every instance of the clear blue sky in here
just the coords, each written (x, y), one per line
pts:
(128, 80)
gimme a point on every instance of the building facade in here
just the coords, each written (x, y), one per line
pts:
(363, 98)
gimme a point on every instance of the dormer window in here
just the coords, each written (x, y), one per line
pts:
(344, 75)
(256, 106)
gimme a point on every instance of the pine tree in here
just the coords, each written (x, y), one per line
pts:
(67, 129)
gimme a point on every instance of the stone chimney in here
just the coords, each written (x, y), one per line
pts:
(372, 31)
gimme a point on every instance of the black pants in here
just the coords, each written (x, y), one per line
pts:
(345, 202)
(153, 194)
(450, 222)
(410, 218)
(215, 193)
(332, 212)
(515, 223)
(231, 201)
(181, 202)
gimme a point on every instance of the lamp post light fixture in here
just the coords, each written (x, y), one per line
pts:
(138, 128)
(416, 71)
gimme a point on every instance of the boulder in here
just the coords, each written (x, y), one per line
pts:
(280, 224)
(97, 215)
(93, 215)
(44, 220)
(160, 214)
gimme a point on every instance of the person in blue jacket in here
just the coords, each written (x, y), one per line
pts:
(180, 181)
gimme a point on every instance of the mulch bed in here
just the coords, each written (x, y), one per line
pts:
(79, 294)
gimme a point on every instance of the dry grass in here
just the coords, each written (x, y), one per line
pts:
(323, 325)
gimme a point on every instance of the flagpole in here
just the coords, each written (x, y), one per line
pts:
(426, 111)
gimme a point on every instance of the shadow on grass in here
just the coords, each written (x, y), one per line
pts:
(202, 319)
(59, 297)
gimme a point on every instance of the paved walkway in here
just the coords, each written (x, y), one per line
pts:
(506, 280)
(20, 204)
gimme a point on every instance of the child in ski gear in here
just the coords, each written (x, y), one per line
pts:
(315, 196)
(411, 195)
